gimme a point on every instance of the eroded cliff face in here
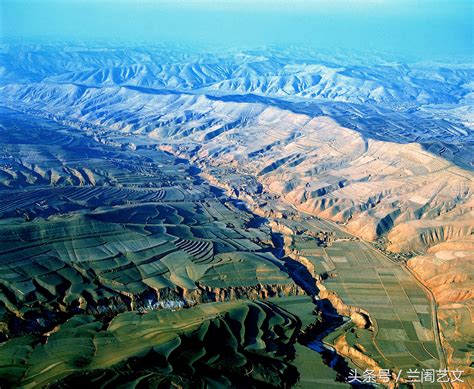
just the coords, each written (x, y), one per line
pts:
(448, 270)
(375, 188)
(419, 235)
(360, 317)
(414, 199)
(19, 322)
(329, 304)
(415, 211)
(357, 355)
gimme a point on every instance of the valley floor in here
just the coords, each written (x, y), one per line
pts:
(144, 252)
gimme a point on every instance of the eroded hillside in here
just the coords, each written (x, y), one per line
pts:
(148, 179)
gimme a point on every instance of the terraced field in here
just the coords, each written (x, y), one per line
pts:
(165, 348)
(138, 244)
(111, 245)
(187, 238)
(393, 321)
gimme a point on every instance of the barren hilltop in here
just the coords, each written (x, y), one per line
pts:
(154, 178)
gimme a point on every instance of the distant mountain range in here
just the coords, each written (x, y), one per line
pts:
(296, 123)
(267, 73)
(382, 149)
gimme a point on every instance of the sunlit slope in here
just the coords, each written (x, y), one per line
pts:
(361, 78)
(105, 214)
(152, 235)
(447, 269)
(376, 187)
(380, 97)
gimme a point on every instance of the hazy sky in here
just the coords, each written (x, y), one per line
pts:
(425, 27)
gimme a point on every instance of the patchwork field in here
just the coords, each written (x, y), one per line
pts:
(403, 334)
(395, 330)
(243, 219)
